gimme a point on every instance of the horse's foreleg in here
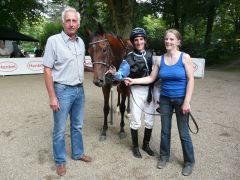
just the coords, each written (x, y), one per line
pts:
(122, 133)
(106, 92)
(118, 102)
(128, 104)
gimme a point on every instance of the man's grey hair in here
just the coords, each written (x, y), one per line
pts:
(67, 9)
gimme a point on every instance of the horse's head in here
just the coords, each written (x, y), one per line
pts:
(105, 49)
(101, 54)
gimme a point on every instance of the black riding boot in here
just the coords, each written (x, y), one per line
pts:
(135, 149)
(146, 139)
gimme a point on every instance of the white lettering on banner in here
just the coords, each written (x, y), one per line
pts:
(35, 65)
(7, 66)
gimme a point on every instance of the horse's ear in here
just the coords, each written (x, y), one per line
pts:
(100, 28)
(88, 32)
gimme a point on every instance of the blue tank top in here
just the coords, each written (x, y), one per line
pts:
(173, 78)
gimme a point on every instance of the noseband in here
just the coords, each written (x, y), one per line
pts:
(100, 62)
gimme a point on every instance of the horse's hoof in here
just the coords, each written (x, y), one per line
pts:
(122, 135)
(102, 138)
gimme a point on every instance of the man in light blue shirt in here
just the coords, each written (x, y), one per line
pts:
(63, 62)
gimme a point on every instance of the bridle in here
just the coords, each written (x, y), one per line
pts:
(101, 62)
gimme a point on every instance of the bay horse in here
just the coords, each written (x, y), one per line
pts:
(105, 50)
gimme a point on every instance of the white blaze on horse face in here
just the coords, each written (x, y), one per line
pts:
(139, 43)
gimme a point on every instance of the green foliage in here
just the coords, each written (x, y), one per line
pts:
(35, 31)
(155, 28)
(14, 13)
(229, 18)
(210, 29)
(49, 30)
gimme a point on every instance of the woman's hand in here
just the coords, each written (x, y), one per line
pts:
(128, 81)
(111, 70)
(186, 107)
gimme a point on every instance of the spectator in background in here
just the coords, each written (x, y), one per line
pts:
(16, 51)
(3, 50)
(25, 53)
(38, 51)
(9, 46)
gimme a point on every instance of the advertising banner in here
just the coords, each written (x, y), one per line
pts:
(15, 66)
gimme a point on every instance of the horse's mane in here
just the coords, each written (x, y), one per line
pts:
(111, 33)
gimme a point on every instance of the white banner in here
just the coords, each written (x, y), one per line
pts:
(15, 66)
(198, 67)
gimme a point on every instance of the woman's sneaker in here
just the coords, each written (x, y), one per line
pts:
(187, 170)
(161, 163)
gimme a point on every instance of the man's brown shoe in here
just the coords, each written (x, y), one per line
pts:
(61, 170)
(85, 158)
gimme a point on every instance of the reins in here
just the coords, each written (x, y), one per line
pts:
(126, 47)
(165, 114)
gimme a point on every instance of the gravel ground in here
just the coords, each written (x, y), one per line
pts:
(26, 134)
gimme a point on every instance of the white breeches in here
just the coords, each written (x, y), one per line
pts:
(140, 103)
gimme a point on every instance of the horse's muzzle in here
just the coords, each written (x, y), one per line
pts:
(107, 80)
(99, 82)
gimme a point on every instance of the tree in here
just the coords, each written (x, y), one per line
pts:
(211, 8)
(14, 13)
(175, 13)
(116, 15)
(122, 15)
(229, 12)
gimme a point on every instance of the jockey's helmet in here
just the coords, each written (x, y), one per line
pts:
(136, 32)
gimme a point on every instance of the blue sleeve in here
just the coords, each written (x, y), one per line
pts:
(123, 71)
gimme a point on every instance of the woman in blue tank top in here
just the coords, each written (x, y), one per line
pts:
(175, 70)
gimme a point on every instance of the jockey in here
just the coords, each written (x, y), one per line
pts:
(137, 64)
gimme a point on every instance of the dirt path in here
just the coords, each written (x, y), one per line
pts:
(26, 134)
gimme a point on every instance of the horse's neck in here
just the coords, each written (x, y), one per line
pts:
(118, 54)
(120, 50)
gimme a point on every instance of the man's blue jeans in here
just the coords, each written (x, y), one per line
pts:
(167, 107)
(71, 100)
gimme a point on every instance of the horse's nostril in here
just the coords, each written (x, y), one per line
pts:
(99, 82)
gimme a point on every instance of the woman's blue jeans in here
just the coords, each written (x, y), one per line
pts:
(71, 100)
(167, 107)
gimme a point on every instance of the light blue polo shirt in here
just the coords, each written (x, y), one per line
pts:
(65, 57)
